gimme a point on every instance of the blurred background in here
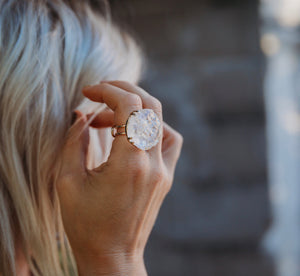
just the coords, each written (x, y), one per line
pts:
(226, 72)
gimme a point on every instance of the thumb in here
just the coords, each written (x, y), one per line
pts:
(76, 146)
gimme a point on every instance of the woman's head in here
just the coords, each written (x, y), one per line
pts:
(49, 50)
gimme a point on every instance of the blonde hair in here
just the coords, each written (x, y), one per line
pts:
(49, 50)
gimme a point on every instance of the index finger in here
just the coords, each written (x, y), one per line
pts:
(121, 102)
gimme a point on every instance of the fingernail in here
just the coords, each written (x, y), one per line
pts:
(75, 115)
(86, 87)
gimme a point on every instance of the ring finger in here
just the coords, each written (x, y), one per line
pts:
(148, 101)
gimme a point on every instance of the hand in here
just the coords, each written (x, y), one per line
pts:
(109, 212)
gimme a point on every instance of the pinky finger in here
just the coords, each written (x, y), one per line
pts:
(171, 147)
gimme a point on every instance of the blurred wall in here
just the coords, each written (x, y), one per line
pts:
(280, 42)
(205, 66)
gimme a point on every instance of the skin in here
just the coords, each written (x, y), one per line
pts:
(108, 212)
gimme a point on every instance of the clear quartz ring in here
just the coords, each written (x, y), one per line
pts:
(142, 128)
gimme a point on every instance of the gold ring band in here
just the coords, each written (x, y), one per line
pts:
(115, 132)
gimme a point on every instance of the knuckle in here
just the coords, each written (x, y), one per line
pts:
(137, 166)
(133, 99)
(138, 169)
(160, 180)
(106, 87)
(157, 176)
(124, 82)
(178, 138)
(156, 104)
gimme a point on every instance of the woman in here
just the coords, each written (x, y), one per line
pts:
(71, 196)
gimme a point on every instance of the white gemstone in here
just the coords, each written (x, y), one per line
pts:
(143, 129)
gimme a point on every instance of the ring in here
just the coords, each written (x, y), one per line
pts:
(142, 128)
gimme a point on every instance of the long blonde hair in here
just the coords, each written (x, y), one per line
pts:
(49, 50)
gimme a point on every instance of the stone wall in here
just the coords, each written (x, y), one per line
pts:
(205, 66)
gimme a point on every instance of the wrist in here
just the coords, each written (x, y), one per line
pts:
(111, 265)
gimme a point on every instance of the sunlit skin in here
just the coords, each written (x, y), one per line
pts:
(109, 211)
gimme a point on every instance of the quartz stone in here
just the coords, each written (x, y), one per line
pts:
(143, 129)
